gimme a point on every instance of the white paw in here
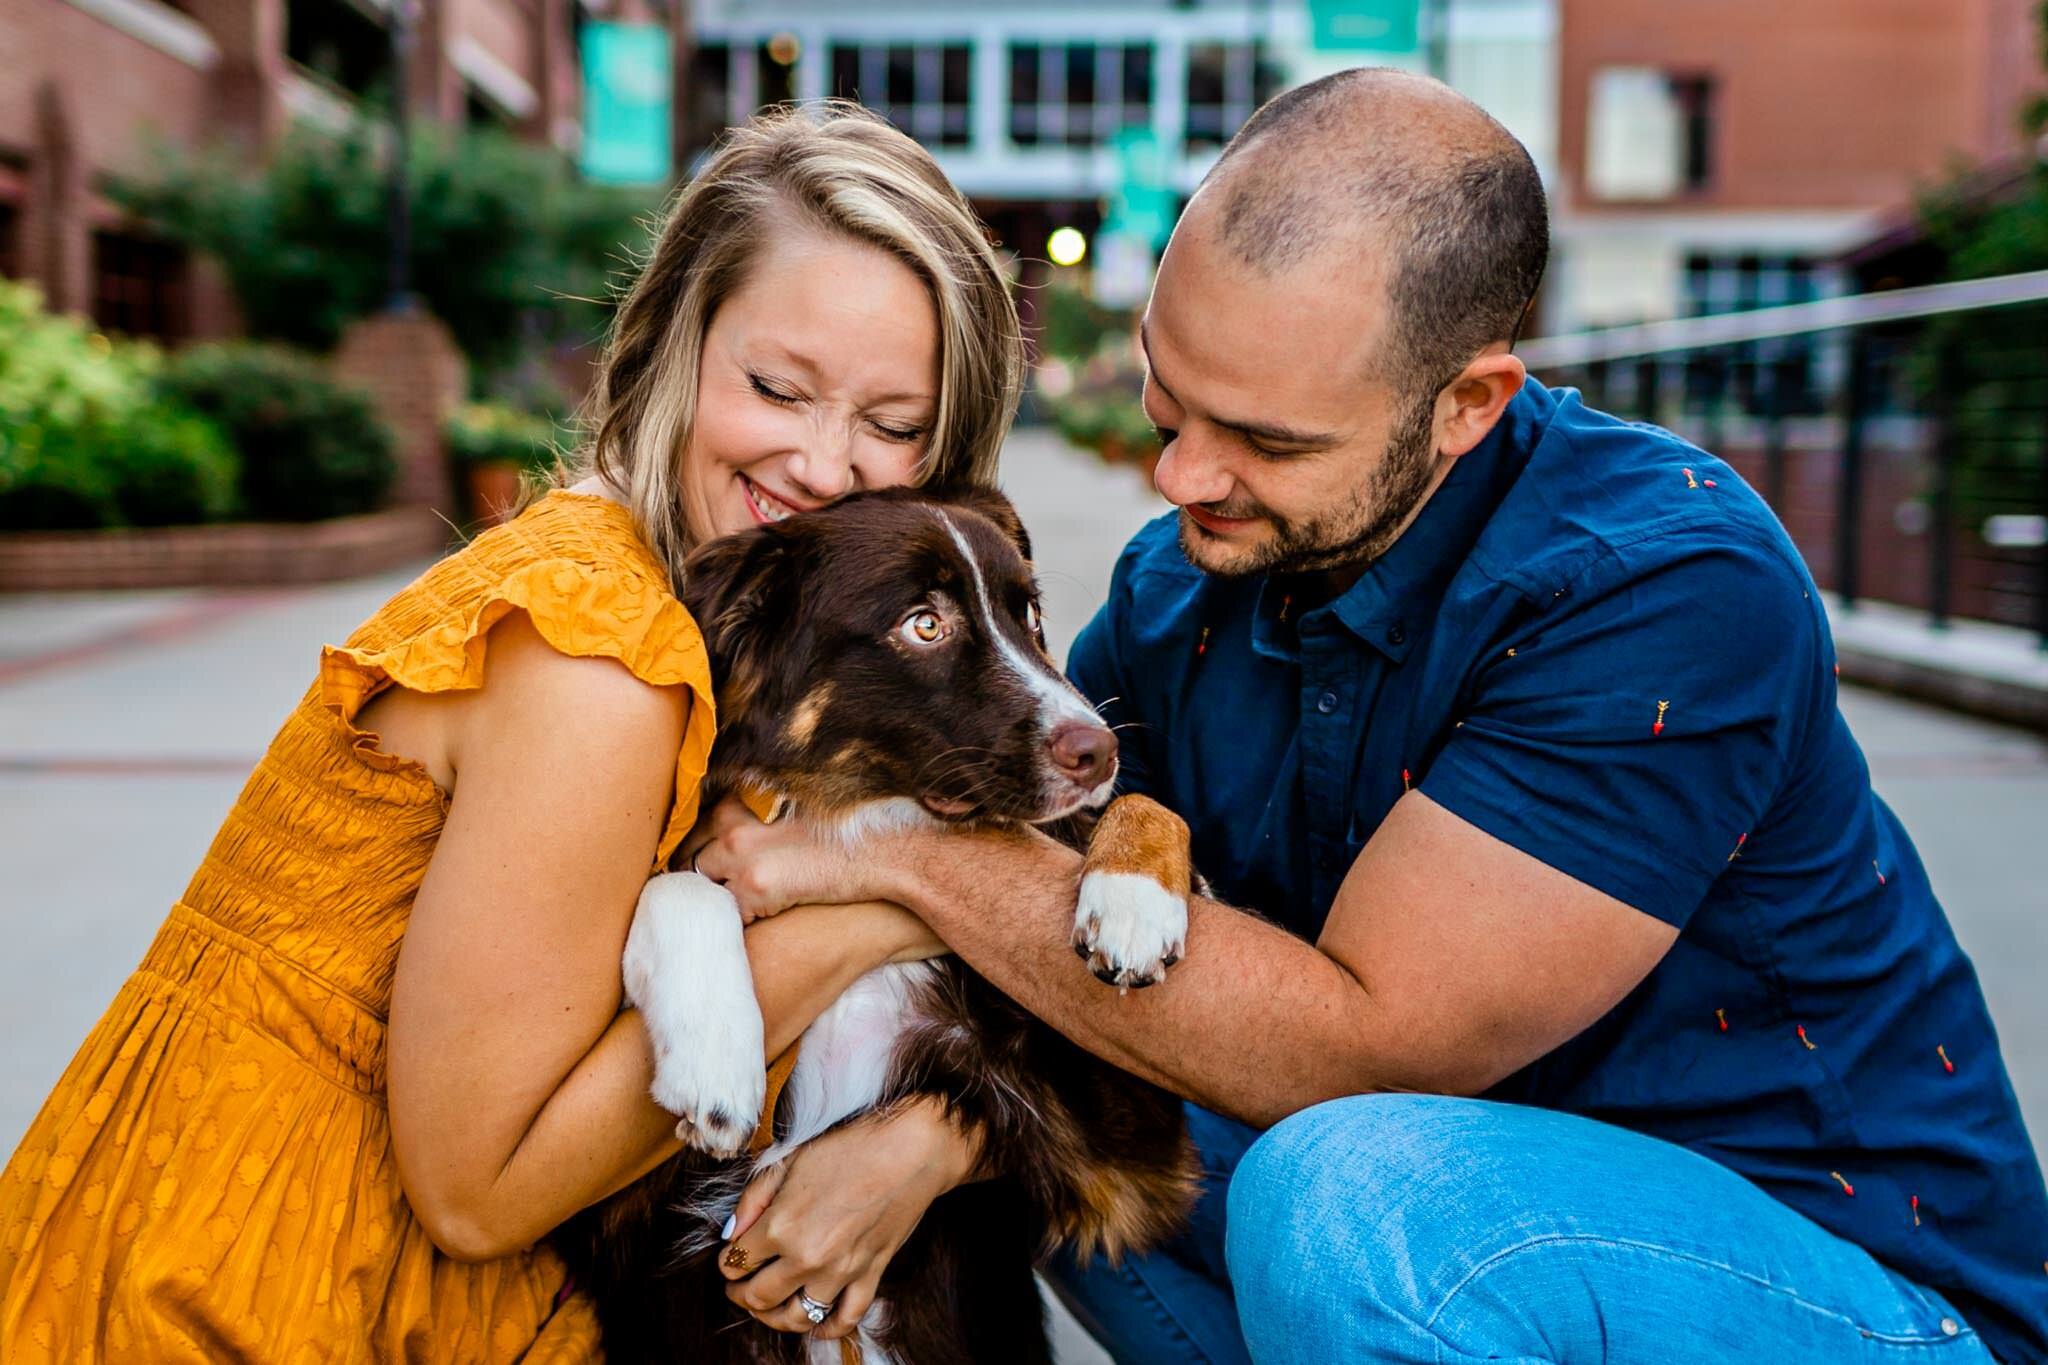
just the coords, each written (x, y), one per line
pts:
(686, 971)
(1128, 928)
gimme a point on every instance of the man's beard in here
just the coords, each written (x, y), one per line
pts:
(1351, 536)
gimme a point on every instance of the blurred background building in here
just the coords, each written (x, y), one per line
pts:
(1701, 160)
(87, 88)
(1727, 156)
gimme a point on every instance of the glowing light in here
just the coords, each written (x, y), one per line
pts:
(1066, 246)
(783, 49)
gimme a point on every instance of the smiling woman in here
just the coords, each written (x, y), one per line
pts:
(820, 314)
(377, 1050)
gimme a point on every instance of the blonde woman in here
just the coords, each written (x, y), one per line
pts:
(376, 1051)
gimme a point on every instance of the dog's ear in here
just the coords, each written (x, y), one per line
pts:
(993, 505)
(734, 586)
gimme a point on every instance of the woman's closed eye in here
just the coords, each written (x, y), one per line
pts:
(894, 431)
(773, 392)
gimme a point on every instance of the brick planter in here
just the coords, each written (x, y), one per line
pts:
(238, 555)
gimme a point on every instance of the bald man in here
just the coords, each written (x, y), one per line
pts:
(1594, 1008)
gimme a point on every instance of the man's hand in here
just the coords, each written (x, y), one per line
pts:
(828, 1220)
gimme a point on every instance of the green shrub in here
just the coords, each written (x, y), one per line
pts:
(487, 433)
(1072, 326)
(309, 447)
(509, 248)
(85, 440)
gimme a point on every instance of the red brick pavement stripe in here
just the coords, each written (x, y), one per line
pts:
(172, 625)
(59, 765)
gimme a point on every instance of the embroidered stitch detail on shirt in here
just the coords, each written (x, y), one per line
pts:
(1658, 728)
(1847, 1188)
(1946, 1065)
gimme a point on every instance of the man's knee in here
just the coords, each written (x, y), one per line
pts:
(1344, 1216)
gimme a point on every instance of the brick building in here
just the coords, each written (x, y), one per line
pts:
(1715, 157)
(86, 85)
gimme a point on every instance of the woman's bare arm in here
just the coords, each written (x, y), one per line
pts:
(518, 1090)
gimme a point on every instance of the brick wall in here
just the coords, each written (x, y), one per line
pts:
(1819, 103)
(254, 554)
(409, 365)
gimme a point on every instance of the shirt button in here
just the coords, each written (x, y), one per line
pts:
(1949, 1328)
(1326, 703)
(1395, 635)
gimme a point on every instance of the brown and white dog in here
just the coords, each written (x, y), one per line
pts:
(880, 662)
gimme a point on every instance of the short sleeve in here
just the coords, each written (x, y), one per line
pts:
(580, 609)
(1634, 735)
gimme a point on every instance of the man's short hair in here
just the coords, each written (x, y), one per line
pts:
(1457, 201)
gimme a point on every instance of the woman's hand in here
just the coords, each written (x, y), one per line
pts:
(829, 1219)
(769, 868)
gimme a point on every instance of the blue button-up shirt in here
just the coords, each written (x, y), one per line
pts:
(1598, 645)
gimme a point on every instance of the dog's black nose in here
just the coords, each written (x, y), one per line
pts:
(1085, 754)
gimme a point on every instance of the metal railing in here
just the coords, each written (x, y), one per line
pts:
(1902, 436)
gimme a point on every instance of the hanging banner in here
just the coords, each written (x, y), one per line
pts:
(1385, 26)
(627, 87)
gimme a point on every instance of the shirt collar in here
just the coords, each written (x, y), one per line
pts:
(1386, 607)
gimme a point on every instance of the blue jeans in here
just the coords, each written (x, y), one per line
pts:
(1423, 1228)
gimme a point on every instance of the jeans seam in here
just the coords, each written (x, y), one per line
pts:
(1556, 1237)
(1162, 1310)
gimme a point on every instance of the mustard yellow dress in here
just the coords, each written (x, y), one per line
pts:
(212, 1179)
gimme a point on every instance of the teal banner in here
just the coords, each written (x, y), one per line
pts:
(627, 88)
(1390, 26)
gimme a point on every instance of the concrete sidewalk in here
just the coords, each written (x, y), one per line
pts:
(1994, 671)
(128, 721)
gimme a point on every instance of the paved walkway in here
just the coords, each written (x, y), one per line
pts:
(128, 720)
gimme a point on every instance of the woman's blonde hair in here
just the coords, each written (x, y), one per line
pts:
(835, 166)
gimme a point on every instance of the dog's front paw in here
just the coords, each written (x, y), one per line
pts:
(1128, 928)
(686, 971)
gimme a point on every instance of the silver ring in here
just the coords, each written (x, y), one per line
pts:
(693, 861)
(815, 1311)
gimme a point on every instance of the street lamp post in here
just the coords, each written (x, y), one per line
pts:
(398, 295)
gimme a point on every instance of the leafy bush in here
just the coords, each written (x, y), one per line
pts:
(1984, 366)
(487, 433)
(1072, 326)
(309, 447)
(509, 248)
(86, 440)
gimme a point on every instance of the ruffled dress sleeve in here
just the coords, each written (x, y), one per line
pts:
(580, 609)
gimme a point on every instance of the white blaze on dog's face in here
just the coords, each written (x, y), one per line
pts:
(887, 649)
(819, 376)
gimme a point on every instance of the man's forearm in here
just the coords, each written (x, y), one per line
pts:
(1278, 1025)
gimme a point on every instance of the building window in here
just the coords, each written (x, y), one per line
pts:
(1226, 82)
(1078, 94)
(1744, 376)
(921, 88)
(1649, 134)
(339, 42)
(10, 241)
(707, 99)
(138, 286)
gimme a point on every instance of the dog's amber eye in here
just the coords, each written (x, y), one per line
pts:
(924, 628)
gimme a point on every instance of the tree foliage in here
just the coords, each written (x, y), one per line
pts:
(509, 247)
